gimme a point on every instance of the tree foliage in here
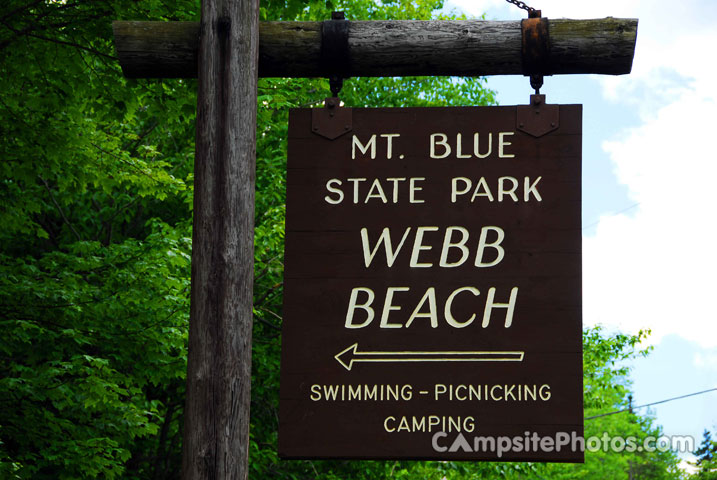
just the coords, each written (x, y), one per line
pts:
(95, 207)
(706, 462)
(94, 249)
(607, 390)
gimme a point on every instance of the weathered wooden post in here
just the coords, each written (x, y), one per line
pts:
(216, 431)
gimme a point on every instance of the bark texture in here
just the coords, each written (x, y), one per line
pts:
(390, 48)
(216, 431)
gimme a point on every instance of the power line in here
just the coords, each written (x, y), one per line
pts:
(651, 404)
(615, 214)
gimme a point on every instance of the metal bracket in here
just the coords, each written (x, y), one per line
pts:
(538, 118)
(332, 121)
(535, 48)
(334, 57)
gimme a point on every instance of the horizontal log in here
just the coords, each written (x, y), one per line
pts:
(389, 48)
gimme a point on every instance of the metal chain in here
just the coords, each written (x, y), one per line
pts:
(522, 5)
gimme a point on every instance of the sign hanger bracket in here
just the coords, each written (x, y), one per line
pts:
(335, 56)
(538, 118)
(333, 121)
(535, 49)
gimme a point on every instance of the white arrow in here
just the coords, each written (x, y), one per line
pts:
(350, 355)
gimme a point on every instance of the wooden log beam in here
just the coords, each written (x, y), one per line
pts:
(389, 48)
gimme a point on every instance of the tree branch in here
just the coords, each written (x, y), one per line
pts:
(267, 293)
(20, 9)
(59, 209)
(267, 323)
(26, 32)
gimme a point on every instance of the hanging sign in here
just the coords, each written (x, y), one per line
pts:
(432, 289)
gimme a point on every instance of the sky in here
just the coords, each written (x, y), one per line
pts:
(649, 193)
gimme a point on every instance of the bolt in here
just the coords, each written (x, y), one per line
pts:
(346, 127)
(316, 128)
(552, 124)
(521, 124)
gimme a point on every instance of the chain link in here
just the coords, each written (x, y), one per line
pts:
(522, 5)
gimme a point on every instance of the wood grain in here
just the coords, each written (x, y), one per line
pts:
(216, 430)
(389, 48)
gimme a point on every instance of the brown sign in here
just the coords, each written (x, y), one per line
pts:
(432, 292)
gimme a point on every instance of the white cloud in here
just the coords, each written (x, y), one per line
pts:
(658, 269)
(706, 360)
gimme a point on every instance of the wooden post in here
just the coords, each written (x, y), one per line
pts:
(216, 429)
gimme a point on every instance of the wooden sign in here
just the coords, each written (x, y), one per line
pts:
(432, 305)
